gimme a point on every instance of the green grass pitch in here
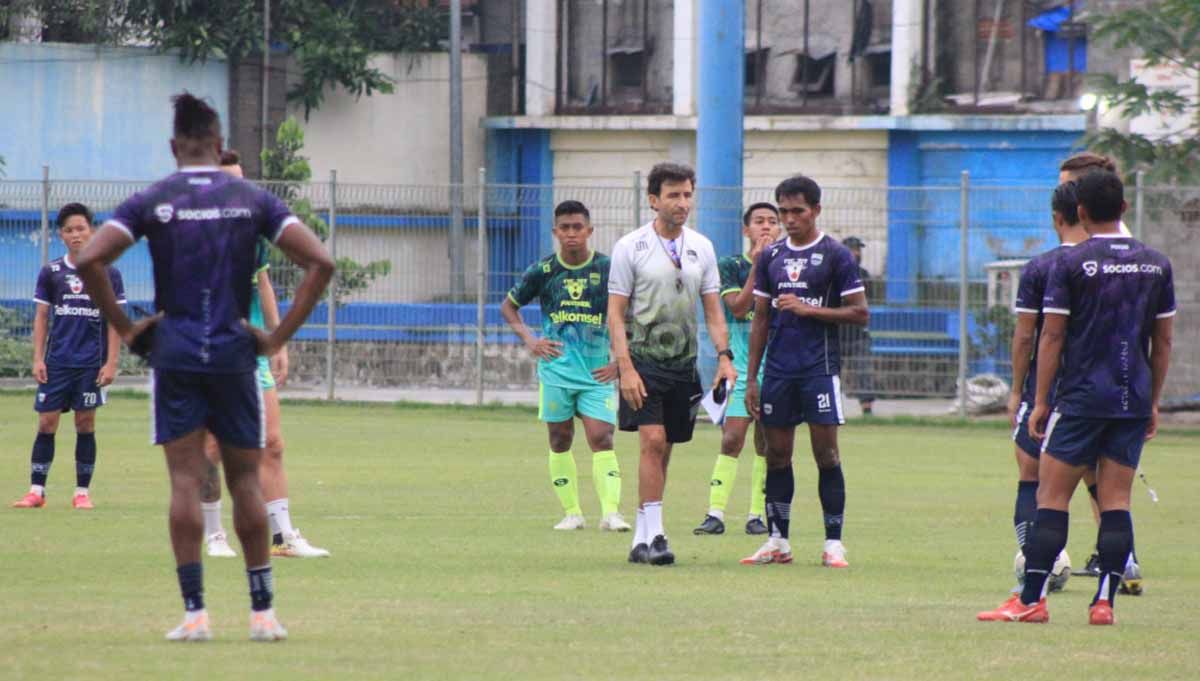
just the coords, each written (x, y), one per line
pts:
(444, 564)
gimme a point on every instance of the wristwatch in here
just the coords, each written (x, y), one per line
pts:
(726, 353)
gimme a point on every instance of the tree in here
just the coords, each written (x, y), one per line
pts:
(286, 172)
(1167, 33)
(331, 40)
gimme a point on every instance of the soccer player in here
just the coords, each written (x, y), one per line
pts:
(660, 272)
(574, 373)
(760, 225)
(203, 227)
(1109, 308)
(857, 340)
(75, 354)
(805, 286)
(286, 540)
(1030, 291)
(1072, 169)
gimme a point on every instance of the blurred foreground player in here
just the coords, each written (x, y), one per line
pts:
(286, 540)
(203, 226)
(1109, 309)
(75, 354)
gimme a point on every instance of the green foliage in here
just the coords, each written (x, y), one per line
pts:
(1166, 32)
(16, 348)
(287, 172)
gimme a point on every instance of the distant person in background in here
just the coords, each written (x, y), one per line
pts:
(857, 339)
(75, 354)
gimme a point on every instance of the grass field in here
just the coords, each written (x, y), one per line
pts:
(444, 565)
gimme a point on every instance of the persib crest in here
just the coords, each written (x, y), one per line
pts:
(816, 259)
(594, 278)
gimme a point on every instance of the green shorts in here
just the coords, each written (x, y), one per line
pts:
(556, 404)
(265, 380)
(737, 398)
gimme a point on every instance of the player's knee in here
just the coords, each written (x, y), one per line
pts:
(274, 448)
(48, 423)
(601, 442)
(85, 421)
(732, 443)
(827, 457)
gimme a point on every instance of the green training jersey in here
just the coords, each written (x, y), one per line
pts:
(734, 271)
(260, 264)
(574, 302)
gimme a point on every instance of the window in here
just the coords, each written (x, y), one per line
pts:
(814, 76)
(756, 66)
(626, 64)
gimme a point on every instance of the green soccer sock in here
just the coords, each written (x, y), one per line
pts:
(607, 478)
(566, 481)
(723, 477)
(758, 481)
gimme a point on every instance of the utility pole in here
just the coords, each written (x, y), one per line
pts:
(458, 280)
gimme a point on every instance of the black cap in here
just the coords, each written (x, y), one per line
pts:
(853, 242)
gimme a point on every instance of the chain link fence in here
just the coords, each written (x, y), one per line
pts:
(416, 299)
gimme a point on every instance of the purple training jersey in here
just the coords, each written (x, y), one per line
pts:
(1031, 289)
(820, 274)
(1113, 288)
(203, 228)
(78, 335)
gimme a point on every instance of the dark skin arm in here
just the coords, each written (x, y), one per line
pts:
(1054, 334)
(758, 344)
(853, 310)
(1160, 359)
(1022, 353)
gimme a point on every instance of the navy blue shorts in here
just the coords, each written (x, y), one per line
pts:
(1081, 441)
(68, 388)
(228, 405)
(788, 402)
(1021, 435)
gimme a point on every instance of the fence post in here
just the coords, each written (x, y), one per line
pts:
(45, 238)
(331, 299)
(481, 292)
(637, 199)
(963, 234)
(1140, 198)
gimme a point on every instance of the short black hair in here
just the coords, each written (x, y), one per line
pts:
(194, 118)
(572, 207)
(799, 185)
(755, 206)
(668, 172)
(1101, 192)
(1065, 202)
(72, 209)
(230, 157)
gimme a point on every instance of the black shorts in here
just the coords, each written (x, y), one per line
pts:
(669, 402)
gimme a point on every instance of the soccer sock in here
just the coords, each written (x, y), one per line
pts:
(262, 587)
(1025, 511)
(639, 531)
(212, 517)
(654, 520)
(566, 481)
(280, 518)
(606, 476)
(780, 487)
(1049, 537)
(758, 478)
(43, 456)
(1115, 545)
(191, 585)
(85, 458)
(831, 486)
(723, 476)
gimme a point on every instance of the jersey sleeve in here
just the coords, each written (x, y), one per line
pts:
(730, 279)
(1057, 297)
(529, 287)
(275, 217)
(130, 217)
(118, 284)
(762, 277)
(620, 270)
(1166, 299)
(710, 278)
(848, 280)
(43, 292)
(1030, 288)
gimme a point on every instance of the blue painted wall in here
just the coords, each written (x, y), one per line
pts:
(95, 113)
(1010, 170)
(518, 157)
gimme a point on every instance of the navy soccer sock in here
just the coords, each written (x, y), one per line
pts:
(1048, 539)
(262, 587)
(191, 585)
(831, 487)
(1114, 545)
(85, 458)
(1026, 511)
(43, 456)
(780, 487)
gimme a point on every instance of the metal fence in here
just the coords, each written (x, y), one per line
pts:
(943, 263)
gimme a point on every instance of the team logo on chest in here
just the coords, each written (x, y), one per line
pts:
(594, 278)
(575, 287)
(74, 283)
(816, 259)
(1091, 267)
(794, 267)
(164, 212)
